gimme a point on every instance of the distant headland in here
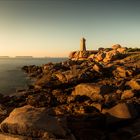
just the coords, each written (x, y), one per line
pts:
(4, 57)
(23, 56)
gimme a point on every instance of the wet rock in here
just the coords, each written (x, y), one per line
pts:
(47, 81)
(32, 70)
(51, 68)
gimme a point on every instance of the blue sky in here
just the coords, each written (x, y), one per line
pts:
(54, 27)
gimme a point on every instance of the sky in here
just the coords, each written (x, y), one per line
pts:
(54, 27)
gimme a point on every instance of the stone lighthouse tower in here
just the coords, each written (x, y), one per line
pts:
(83, 44)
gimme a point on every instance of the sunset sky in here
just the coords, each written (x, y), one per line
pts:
(54, 27)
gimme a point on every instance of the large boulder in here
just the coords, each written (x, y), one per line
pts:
(100, 56)
(134, 84)
(48, 81)
(82, 54)
(34, 122)
(122, 72)
(98, 68)
(76, 75)
(72, 54)
(127, 94)
(4, 136)
(92, 90)
(121, 111)
(116, 46)
(121, 50)
(111, 55)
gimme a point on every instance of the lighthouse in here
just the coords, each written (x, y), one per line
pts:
(83, 44)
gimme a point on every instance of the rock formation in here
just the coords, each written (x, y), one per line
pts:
(92, 96)
(102, 55)
(83, 53)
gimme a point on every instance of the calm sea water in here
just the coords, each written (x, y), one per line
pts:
(11, 75)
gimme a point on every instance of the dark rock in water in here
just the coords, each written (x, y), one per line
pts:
(32, 70)
(47, 81)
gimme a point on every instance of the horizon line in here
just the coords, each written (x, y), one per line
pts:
(32, 56)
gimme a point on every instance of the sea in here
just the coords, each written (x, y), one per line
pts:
(12, 78)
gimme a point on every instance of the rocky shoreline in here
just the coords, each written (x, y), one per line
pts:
(94, 95)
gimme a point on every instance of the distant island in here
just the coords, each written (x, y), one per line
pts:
(29, 57)
(23, 57)
(4, 57)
